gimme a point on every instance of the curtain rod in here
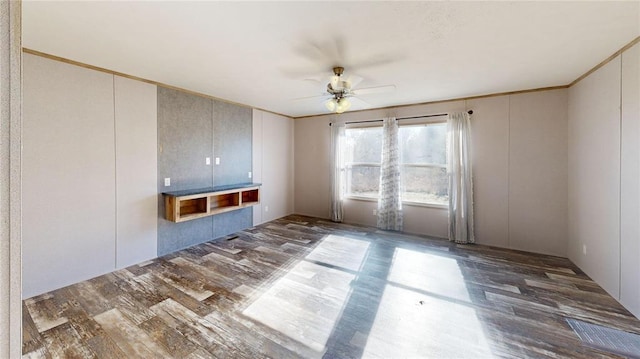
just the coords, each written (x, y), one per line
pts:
(470, 112)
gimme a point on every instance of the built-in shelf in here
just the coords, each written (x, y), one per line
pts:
(186, 205)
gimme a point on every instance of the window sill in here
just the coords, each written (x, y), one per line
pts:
(359, 198)
(421, 204)
(404, 203)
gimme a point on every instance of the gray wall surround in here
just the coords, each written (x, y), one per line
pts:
(190, 129)
(232, 141)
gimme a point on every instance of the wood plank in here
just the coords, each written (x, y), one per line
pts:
(63, 342)
(31, 338)
(122, 331)
(283, 289)
(44, 313)
(172, 340)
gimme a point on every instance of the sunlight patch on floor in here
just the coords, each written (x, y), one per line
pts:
(422, 312)
(428, 272)
(306, 302)
(404, 328)
(339, 251)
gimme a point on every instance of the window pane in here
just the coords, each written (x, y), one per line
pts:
(426, 144)
(363, 181)
(425, 184)
(364, 145)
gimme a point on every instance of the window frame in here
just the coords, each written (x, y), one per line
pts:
(420, 123)
(347, 165)
(411, 123)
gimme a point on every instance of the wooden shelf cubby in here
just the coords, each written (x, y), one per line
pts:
(186, 205)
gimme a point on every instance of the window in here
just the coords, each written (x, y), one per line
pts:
(362, 161)
(423, 158)
(423, 162)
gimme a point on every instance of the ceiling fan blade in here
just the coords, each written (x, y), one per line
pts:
(373, 90)
(315, 80)
(323, 96)
(359, 103)
(353, 80)
(374, 61)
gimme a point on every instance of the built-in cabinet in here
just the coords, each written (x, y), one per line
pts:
(187, 205)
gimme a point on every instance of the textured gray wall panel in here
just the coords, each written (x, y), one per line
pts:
(232, 142)
(191, 128)
(231, 222)
(184, 141)
(232, 139)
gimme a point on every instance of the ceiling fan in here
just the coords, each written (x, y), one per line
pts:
(340, 90)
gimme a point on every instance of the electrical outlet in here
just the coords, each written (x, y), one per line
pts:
(266, 208)
(207, 161)
(584, 249)
(250, 175)
(375, 212)
(217, 160)
(167, 182)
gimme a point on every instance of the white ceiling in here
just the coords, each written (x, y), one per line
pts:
(263, 54)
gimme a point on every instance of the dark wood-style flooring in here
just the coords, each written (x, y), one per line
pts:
(304, 287)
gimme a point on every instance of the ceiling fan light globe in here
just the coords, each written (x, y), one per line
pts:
(331, 105)
(342, 105)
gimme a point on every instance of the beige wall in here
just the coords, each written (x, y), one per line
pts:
(89, 173)
(520, 179)
(136, 127)
(68, 175)
(538, 172)
(490, 156)
(311, 166)
(630, 182)
(594, 176)
(604, 177)
(273, 165)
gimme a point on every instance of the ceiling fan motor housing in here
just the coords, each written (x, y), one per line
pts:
(338, 87)
(342, 90)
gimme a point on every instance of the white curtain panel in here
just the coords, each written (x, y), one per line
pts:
(389, 200)
(460, 178)
(337, 164)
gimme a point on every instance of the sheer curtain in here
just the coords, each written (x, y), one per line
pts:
(460, 178)
(389, 201)
(337, 144)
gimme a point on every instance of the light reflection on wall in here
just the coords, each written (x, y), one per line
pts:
(423, 312)
(307, 301)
